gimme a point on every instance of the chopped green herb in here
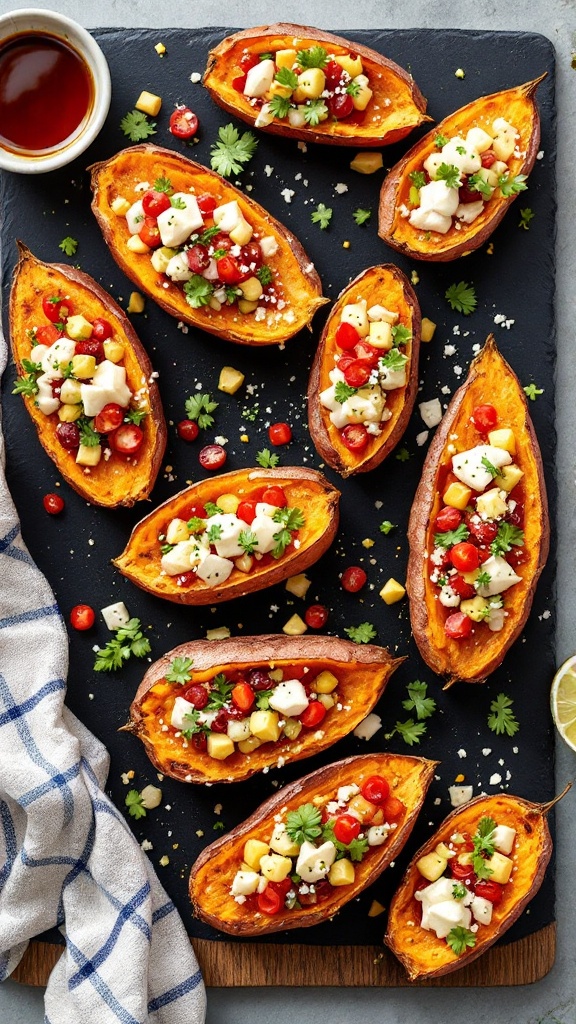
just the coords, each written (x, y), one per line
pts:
(482, 580)
(450, 174)
(199, 408)
(507, 536)
(251, 413)
(526, 215)
(353, 88)
(532, 391)
(304, 824)
(401, 334)
(490, 467)
(214, 532)
(196, 525)
(291, 519)
(451, 537)
(501, 718)
(266, 459)
(342, 391)
(248, 541)
(218, 826)
(198, 291)
(136, 126)
(263, 699)
(280, 106)
(313, 57)
(135, 416)
(129, 640)
(479, 184)
(418, 178)
(284, 76)
(212, 509)
(410, 731)
(361, 634)
(393, 360)
(361, 216)
(178, 203)
(89, 437)
(68, 245)
(220, 690)
(179, 671)
(512, 186)
(459, 939)
(134, 804)
(163, 185)
(264, 275)
(440, 141)
(462, 297)
(322, 215)
(232, 150)
(418, 701)
(314, 112)
(459, 891)
(403, 455)
(386, 527)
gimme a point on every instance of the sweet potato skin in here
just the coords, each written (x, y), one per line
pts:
(305, 488)
(364, 673)
(117, 481)
(491, 380)
(517, 105)
(212, 874)
(424, 955)
(302, 287)
(385, 283)
(386, 123)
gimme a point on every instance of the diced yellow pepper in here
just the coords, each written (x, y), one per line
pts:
(219, 746)
(69, 413)
(136, 245)
(298, 585)
(352, 65)
(274, 867)
(474, 608)
(251, 289)
(148, 103)
(70, 392)
(367, 162)
(500, 868)
(83, 367)
(285, 58)
(325, 682)
(114, 350)
(230, 380)
(247, 746)
(135, 303)
(503, 438)
(380, 334)
(342, 872)
(392, 591)
(264, 725)
(508, 477)
(457, 495)
(432, 866)
(295, 626)
(311, 84)
(120, 206)
(254, 850)
(89, 456)
(427, 329)
(78, 328)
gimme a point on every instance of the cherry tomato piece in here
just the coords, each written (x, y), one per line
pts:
(447, 519)
(353, 579)
(376, 789)
(354, 437)
(239, 83)
(260, 680)
(198, 258)
(53, 504)
(188, 430)
(220, 722)
(461, 871)
(294, 671)
(458, 626)
(460, 587)
(484, 418)
(275, 496)
(229, 270)
(109, 418)
(82, 617)
(346, 828)
(150, 233)
(251, 257)
(206, 203)
(243, 696)
(392, 808)
(280, 433)
(488, 158)
(340, 105)
(213, 456)
(127, 439)
(269, 901)
(248, 61)
(313, 714)
(183, 123)
(333, 72)
(47, 334)
(516, 557)
(90, 347)
(316, 616)
(246, 511)
(154, 203)
(101, 329)
(483, 532)
(196, 511)
(347, 337)
(56, 386)
(282, 887)
(489, 890)
(200, 742)
(185, 579)
(367, 353)
(56, 308)
(68, 436)
(516, 515)
(467, 193)
(357, 373)
(464, 556)
(197, 695)
(345, 361)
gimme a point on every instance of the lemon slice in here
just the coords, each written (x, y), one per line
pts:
(563, 701)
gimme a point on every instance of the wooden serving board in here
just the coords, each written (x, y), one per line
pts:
(515, 280)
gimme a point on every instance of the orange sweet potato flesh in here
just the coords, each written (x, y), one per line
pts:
(388, 286)
(423, 954)
(120, 480)
(362, 672)
(490, 380)
(518, 107)
(396, 107)
(300, 289)
(213, 872)
(305, 489)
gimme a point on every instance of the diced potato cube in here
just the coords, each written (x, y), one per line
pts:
(503, 145)
(362, 97)
(69, 413)
(298, 585)
(148, 103)
(274, 867)
(136, 245)
(324, 682)
(254, 850)
(327, 700)
(247, 746)
(508, 477)
(355, 313)
(367, 162)
(503, 438)
(264, 725)
(285, 58)
(151, 797)
(230, 380)
(244, 562)
(457, 495)
(311, 84)
(392, 591)
(352, 65)
(120, 206)
(292, 728)
(490, 504)
(277, 674)
(242, 233)
(135, 303)
(342, 872)
(89, 456)
(295, 626)
(376, 909)
(380, 334)
(247, 307)
(78, 328)
(427, 329)
(238, 730)
(443, 851)
(282, 844)
(276, 89)
(228, 502)
(177, 531)
(113, 350)
(219, 746)
(361, 808)
(161, 257)
(431, 866)
(218, 633)
(501, 868)
(70, 392)
(83, 367)
(251, 289)
(474, 608)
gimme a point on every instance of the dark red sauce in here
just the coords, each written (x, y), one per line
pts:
(46, 92)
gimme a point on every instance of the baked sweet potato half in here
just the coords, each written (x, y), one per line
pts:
(86, 382)
(219, 711)
(451, 190)
(468, 884)
(203, 250)
(312, 847)
(232, 534)
(303, 83)
(478, 529)
(364, 377)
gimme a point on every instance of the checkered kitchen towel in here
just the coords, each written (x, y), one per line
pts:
(67, 857)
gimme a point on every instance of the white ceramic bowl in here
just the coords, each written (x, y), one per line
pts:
(38, 21)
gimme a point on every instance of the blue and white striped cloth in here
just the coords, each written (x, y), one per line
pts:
(67, 857)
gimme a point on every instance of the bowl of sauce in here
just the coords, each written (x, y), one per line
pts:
(54, 90)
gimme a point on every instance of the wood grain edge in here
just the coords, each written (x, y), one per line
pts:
(227, 965)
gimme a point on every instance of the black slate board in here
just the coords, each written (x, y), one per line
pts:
(74, 550)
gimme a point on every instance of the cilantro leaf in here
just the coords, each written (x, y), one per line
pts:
(232, 150)
(304, 824)
(440, 141)
(68, 245)
(450, 174)
(212, 509)
(418, 701)
(27, 384)
(163, 185)
(291, 518)
(264, 275)
(462, 297)
(459, 891)
(214, 532)
(129, 640)
(266, 459)
(403, 455)
(532, 391)
(483, 841)
(177, 203)
(193, 726)
(280, 106)
(386, 527)
(526, 215)
(248, 541)
(459, 939)
(199, 408)
(501, 718)
(134, 804)
(507, 536)
(393, 360)
(136, 126)
(313, 57)
(287, 77)
(361, 216)
(353, 88)
(401, 334)
(451, 537)
(512, 186)
(483, 579)
(479, 184)
(196, 525)
(342, 391)
(314, 112)
(361, 634)
(410, 731)
(220, 690)
(322, 215)
(135, 416)
(263, 699)
(198, 291)
(179, 671)
(418, 178)
(251, 413)
(489, 467)
(89, 437)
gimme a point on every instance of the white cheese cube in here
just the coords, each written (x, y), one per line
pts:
(437, 196)
(289, 698)
(265, 116)
(430, 220)
(45, 399)
(468, 161)
(268, 246)
(215, 570)
(502, 576)
(468, 466)
(244, 883)
(181, 707)
(491, 504)
(238, 729)
(379, 312)
(504, 837)
(432, 163)
(345, 793)
(467, 212)
(448, 597)
(443, 917)
(390, 379)
(431, 412)
(481, 910)
(460, 795)
(177, 268)
(378, 834)
(355, 313)
(230, 529)
(135, 217)
(179, 559)
(264, 508)
(436, 892)
(177, 223)
(368, 727)
(478, 139)
(260, 78)
(228, 216)
(58, 356)
(264, 528)
(115, 615)
(314, 862)
(108, 385)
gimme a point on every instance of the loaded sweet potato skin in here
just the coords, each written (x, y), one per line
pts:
(423, 954)
(212, 874)
(396, 107)
(471, 660)
(518, 106)
(363, 673)
(120, 480)
(384, 284)
(301, 289)
(305, 489)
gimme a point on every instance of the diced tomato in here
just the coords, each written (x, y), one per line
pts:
(461, 871)
(275, 496)
(483, 532)
(221, 241)
(150, 233)
(340, 105)
(460, 587)
(447, 519)
(183, 123)
(127, 439)
(488, 158)
(259, 679)
(239, 83)
(82, 617)
(213, 456)
(101, 329)
(185, 579)
(53, 504)
(56, 308)
(196, 511)
(356, 373)
(316, 616)
(229, 270)
(197, 695)
(345, 361)
(347, 337)
(56, 386)
(109, 418)
(458, 626)
(246, 511)
(313, 714)
(68, 435)
(293, 671)
(198, 257)
(333, 73)
(90, 347)
(353, 579)
(220, 722)
(280, 433)
(250, 256)
(206, 203)
(248, 61)
(346, 828)
(376, 789)
(484, 418)
(489, 890)
(354, 437)
(47, 334)
(516, 557)
(392, 808)
(269, 902)
(468, 194)
(367, 353)
(187, 430)
(516, 515)
(243, 696)
(282, 887)
(154, 203)
(464, 556)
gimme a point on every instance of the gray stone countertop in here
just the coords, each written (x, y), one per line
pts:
(552, 1000)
